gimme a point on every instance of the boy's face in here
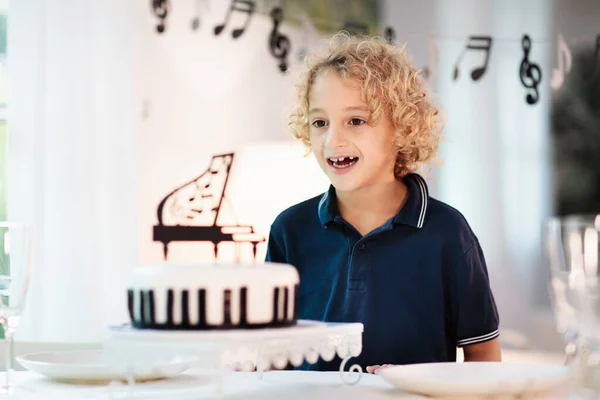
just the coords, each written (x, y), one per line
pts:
(351, 152)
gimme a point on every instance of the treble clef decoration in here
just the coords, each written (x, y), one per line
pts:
(279, 45)
(160, 8)
(530, 73)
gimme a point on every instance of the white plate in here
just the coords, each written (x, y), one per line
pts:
(477, 378)
(88, 366)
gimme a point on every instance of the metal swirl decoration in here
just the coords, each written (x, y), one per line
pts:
(353, 375)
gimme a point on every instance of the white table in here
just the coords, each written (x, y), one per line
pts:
(195, 384)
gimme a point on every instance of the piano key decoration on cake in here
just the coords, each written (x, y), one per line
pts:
(190, 212)
(234, 307)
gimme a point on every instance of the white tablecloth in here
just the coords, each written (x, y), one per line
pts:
(194, 384)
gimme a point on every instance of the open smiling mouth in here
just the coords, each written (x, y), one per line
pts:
(342, 162)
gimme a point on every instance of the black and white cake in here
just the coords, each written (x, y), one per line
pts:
(219, 296)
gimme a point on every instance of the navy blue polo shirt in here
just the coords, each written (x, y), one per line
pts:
(419, 283)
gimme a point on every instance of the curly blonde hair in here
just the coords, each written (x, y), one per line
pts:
(388, 80)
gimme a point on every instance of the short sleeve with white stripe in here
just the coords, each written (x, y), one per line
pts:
(474, 314)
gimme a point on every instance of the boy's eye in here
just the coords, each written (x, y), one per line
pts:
(356, 121)
(319, 123)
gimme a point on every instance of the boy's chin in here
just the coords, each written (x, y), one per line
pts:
(341, 185)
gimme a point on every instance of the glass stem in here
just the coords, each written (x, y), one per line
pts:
(10, 352)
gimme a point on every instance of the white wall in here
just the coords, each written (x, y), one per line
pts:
(206, 95)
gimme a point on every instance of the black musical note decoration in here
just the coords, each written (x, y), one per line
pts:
(530, 73)
(191, 212)
(246, 6)
(479, 43)
(355, 28)
(596, 70)
(279, 44)
(390, 34)
(160, 9)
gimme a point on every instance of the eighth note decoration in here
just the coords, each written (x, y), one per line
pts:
(160, 9)
(246, 6)
(530, 73)
(190, 213)
(480, 43)
(279, 44)
(565, 63)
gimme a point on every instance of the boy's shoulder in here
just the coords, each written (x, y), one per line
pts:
(444, 212)
(446, 219)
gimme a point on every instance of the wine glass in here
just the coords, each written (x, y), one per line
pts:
(15, 270)
(563, 294)
(572, 245)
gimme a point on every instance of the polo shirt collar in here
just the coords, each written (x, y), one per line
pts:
(412, 212)
(414, 209)
(328, 209)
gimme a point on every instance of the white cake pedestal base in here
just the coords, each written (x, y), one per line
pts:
(129, 351)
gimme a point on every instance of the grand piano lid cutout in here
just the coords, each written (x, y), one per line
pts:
(190, 212)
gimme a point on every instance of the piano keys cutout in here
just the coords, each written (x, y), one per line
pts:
(190, 212)
(275, 305)
(285, 303)
(185, 308)
(243, 306)
(170, 306)
(227, 308)
(142, 310)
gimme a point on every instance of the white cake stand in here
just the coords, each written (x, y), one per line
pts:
(129, 351)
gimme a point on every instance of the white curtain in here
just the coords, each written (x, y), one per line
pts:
(496, 155)
(72, 159)
(495, 151)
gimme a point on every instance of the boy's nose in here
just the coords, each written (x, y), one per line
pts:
(336, 137)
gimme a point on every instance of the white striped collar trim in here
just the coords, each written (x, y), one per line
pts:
(424, 195)
(322, 201)
(478, 339)
(323, 209)
(414, 211)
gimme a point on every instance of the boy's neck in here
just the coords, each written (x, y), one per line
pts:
(370, 207)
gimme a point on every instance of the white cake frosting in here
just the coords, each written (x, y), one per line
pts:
(221, 296)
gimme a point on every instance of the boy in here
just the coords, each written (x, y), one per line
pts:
(376, 248)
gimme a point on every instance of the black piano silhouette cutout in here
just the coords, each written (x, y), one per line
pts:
(190, 213)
